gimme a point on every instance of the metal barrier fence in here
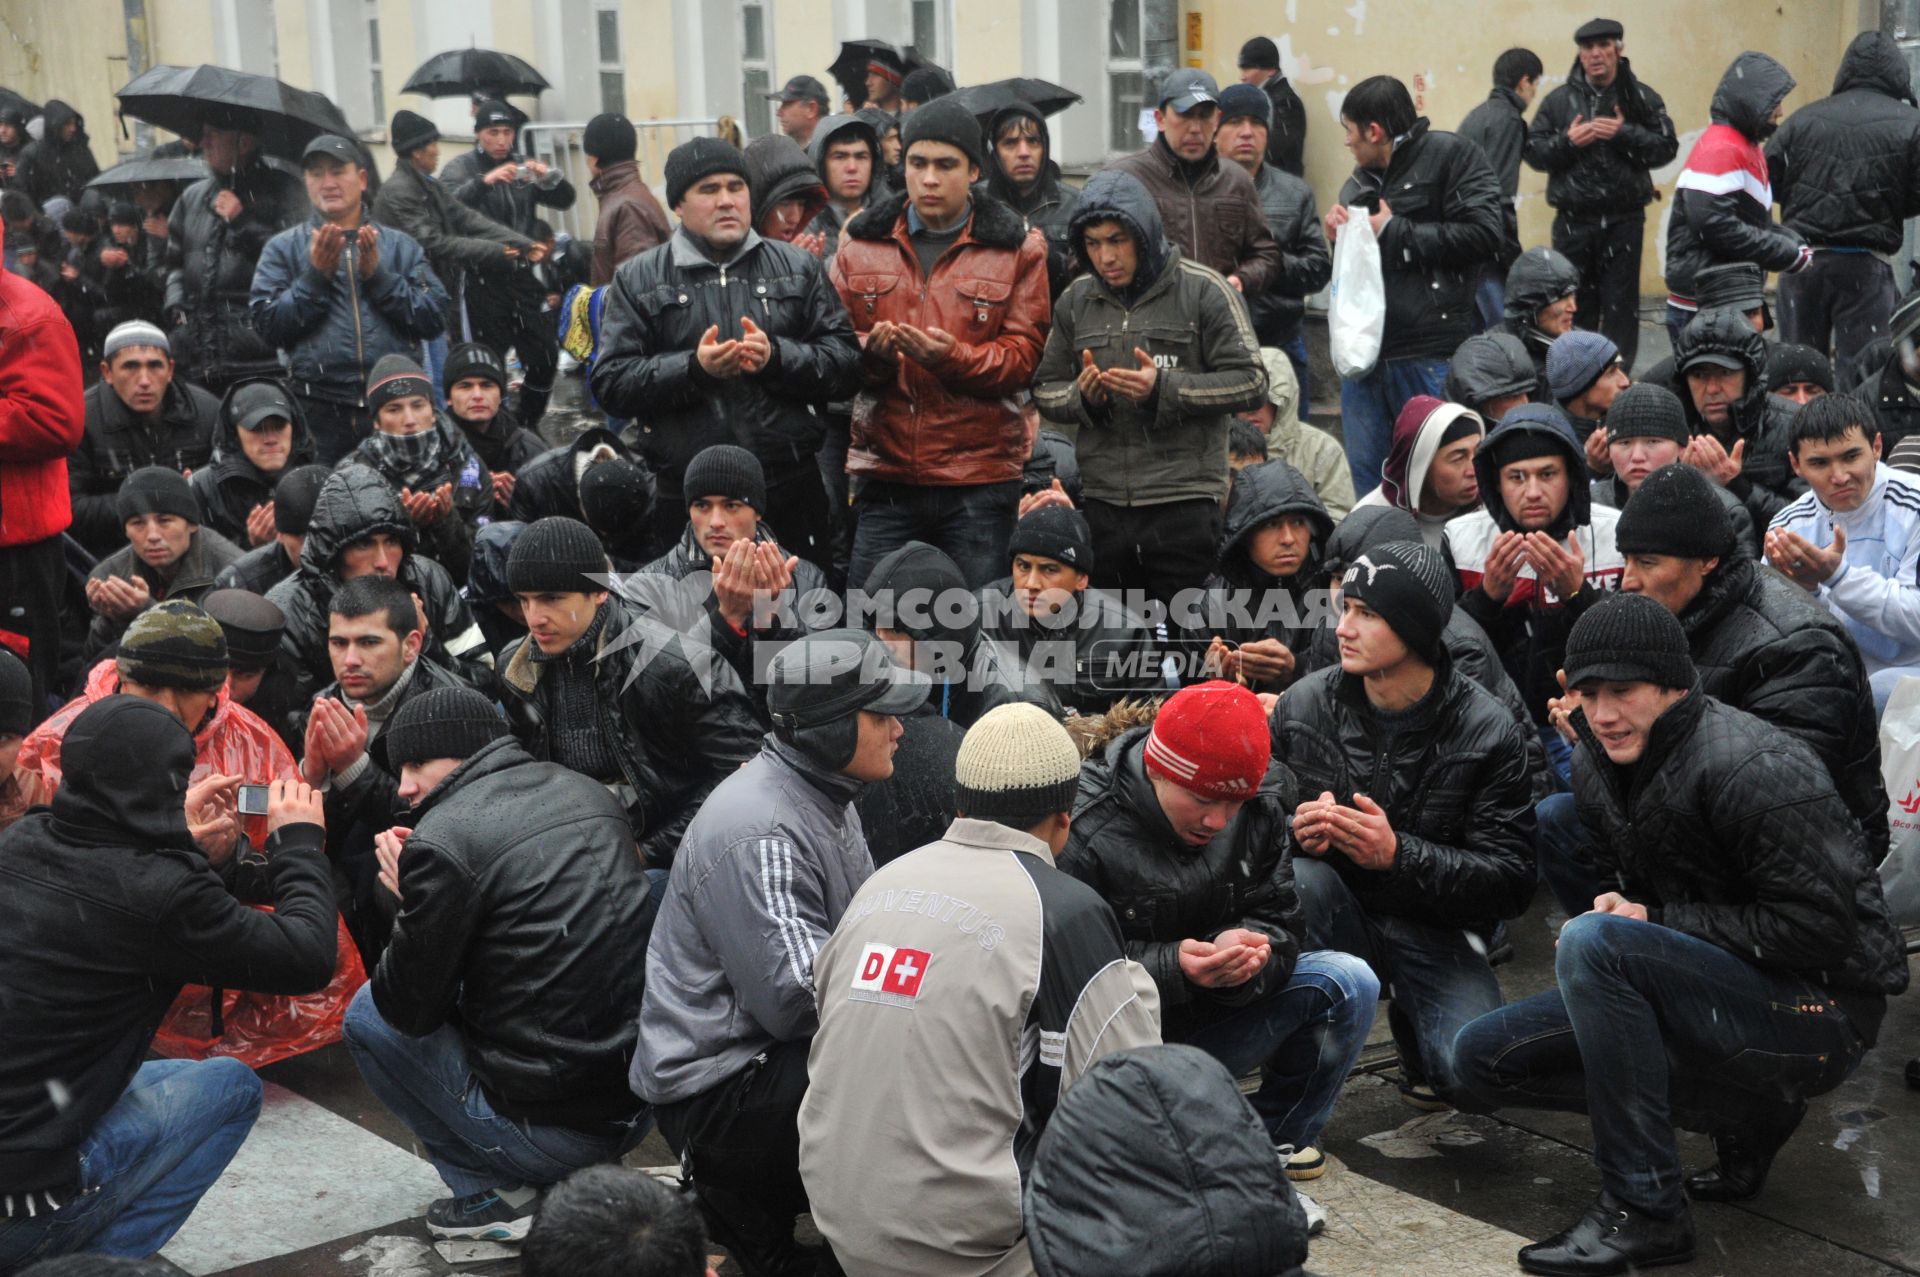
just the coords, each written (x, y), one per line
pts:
(559, 145)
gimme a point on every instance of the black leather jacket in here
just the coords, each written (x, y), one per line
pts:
(116, 444)
(1096, 653)
(210, 270)
(1610, 176)
(1731, 832)
(1164, 890)
(1452, 778)
(526, 921)
(1766, 483)
(677, 728)
(662, 301)
(1763, 645)
(230, 487)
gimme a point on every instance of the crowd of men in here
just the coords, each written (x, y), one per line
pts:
(954, 696)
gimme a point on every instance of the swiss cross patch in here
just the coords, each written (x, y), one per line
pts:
(890, 974)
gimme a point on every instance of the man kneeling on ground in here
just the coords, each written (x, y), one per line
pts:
(499, 1023)
(1741, 966)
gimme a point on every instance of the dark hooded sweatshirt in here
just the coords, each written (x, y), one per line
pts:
(1279, 607)
(1846, 170)
(1047, 203)
(54, 166)
(1530, 627)
(1173, 447)
(777, 170)
(231, 487)
(830, 219)
(109, 908)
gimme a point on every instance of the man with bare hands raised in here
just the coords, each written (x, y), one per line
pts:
(721, 336)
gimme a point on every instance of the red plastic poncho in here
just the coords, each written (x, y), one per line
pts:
(254, 1028)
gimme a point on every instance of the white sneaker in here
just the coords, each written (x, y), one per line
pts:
(1316, 1213)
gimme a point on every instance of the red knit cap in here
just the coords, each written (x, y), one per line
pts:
(1212, 740)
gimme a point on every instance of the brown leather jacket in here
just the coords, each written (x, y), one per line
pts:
(958, 422)
(1217, 221)
(631, 219)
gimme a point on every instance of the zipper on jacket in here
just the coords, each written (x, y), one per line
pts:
(359, 339)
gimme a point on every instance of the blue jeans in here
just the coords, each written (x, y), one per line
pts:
(1566, 855)
(1677, 321)
(1434, 975)
(1369, 405)
(429, 1085)
(1489, 298)
(1650, 1029)
(972, 523)
(1304, 1038)
(1296, 353)
(146, 1164)
(433, 357)
(1559, 758)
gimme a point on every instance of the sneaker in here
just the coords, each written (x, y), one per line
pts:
(1420, 1095)
(496, 1215)
(1316, 1213)
(1307, 1163)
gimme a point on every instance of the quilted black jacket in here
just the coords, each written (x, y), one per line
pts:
(1731, 832)
(1453, 780)
(1846, 169)
(1763, 645)
(1164, 891)
(1610, 176)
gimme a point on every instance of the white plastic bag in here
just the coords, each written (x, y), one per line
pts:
(1900, 767)
(1357, 298)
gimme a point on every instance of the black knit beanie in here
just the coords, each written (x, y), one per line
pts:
(1788, 362)
(554, 556)
(446, 722)
(616, 499)
(692, 162)
(1628, 638)
(726, 470)
(156, 490)
(294, 497)
(945, 120)
(1054, 532)
(16, 695)
(174, 644)
(396, 377)
(1675, 511)
(610, 139)
(1647, 411)
(471, 359)
(1408, 584)
(410, 131)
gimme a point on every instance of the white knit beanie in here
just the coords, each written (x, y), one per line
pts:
(1017, 766)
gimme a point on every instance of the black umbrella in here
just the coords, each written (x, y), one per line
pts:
(144, 168)
(988, 100)
(850, 68)
(463, 72)
(184, 100)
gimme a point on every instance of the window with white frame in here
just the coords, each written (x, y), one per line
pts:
(932, 31)
(376, 79)
(1126, 73)
(608, 60)
(756, 67)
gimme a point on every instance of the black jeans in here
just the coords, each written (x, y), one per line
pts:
(740, 1142)
(337, 428)
(1839, 303)
(1436, 978)
(505, 311)
(1159, 550)
(1650, 1029)
(32, 581)
(970, 523)
(1605, 249)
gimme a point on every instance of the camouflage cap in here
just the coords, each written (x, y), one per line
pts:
(174, 644)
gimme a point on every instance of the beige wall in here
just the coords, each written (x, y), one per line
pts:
(1445, 51)
(74, 50)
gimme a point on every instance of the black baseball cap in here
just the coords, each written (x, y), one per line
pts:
(1187, 87)
(334, 147)
(800, 88)
(258, 402)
